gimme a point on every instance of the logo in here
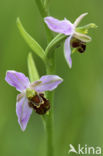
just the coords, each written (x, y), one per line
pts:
(84, 150)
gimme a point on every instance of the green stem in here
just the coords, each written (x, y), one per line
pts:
(50, 68)
(44, 12)
(49, 127)
(50, 117)
(46, 3)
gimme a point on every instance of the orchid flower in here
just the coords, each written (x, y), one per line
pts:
(75, 38)
(31, 94)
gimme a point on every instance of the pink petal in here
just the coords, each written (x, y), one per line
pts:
(67, 51)
(46, 83)
(17, 80)
(23, 111)
(59, 26)
(78, 20)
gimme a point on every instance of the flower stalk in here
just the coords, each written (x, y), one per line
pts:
(44, 11)
(50, 70)
(49, 126)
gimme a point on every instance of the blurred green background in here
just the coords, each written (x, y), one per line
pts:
(78, 101)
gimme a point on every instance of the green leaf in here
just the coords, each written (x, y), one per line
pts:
(30, 41)
(33, 73)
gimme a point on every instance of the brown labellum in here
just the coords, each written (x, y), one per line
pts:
(75, 43)
(82, 47)
(39, 103)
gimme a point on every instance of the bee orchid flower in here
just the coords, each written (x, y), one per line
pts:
(31, 94)
(75, 38)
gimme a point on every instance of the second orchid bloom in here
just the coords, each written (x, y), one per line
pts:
(77, 38)
(31, 94)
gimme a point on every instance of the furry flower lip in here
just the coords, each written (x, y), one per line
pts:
(39, 103)
(79, 45)
(67, 28)
(31, 94)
